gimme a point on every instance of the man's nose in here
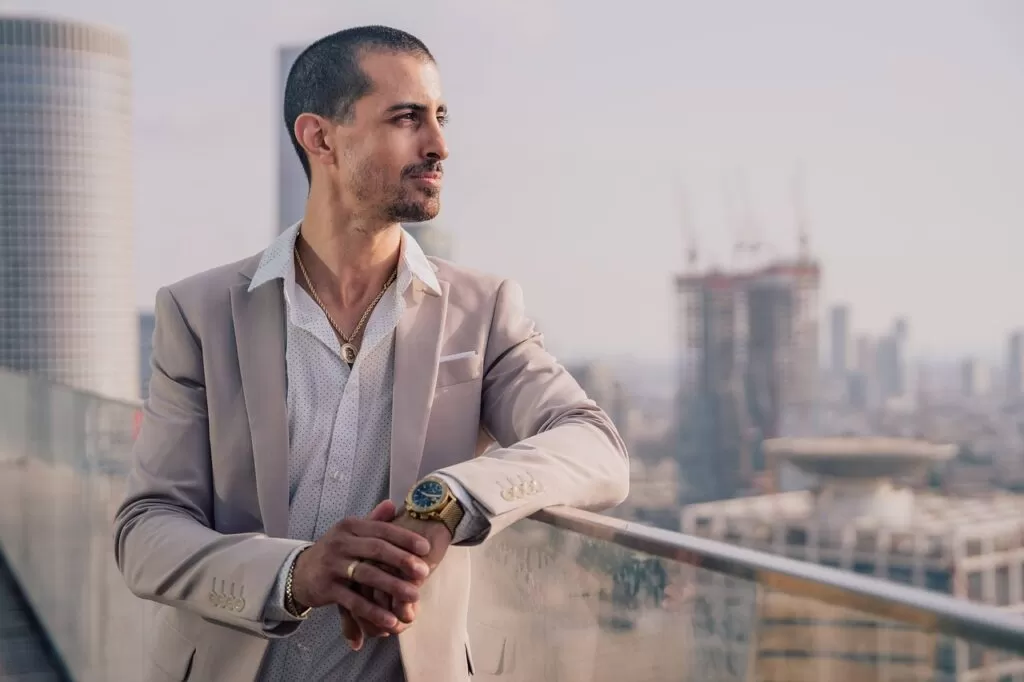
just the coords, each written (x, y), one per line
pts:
(435, 147)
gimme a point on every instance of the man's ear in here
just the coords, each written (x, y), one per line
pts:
(311, 132)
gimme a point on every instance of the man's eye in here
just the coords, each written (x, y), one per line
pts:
(442, 120)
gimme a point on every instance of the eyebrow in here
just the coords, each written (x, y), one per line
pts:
(412, 106)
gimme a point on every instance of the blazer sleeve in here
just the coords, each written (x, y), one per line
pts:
(557, 446)
(164, 541)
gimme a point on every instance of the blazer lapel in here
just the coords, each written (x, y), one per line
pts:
(417, 348)
(259, 337)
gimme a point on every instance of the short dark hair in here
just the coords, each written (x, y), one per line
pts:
(326, 78)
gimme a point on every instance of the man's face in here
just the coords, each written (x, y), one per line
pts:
(389, 155)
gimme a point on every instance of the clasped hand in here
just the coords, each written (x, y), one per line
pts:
(372, 569)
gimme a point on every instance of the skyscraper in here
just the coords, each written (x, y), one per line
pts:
(748, 349)
(67, 308)
(1015, 366)
(839, 331)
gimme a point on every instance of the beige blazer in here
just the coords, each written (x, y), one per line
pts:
(202, 529)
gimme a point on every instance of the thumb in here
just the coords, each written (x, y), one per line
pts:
(385, 511)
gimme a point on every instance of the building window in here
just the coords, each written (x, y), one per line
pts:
(1003, 586)
(945, 656)
(866, 541)
(796, 536)
(975, 656)
(864, 567)
(901, 574)
(975, 586)
(733, 534)
(937, 580)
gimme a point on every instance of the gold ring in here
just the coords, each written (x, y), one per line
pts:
(350, 571)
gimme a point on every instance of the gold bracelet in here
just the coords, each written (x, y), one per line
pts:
(290, 605)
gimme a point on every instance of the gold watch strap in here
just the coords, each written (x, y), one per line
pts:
(451, 515)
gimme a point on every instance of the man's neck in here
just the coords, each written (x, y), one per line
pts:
(348, 259)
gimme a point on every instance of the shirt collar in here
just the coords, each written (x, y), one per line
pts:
(277, 262)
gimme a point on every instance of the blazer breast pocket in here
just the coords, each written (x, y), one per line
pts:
(458, 368)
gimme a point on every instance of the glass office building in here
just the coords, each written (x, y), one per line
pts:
(67, 308)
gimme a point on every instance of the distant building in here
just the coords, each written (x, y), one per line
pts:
(1015, 366)
(839, 332)
(749, 364)
(974, 378)
(147, 325)
(861, 519)
(892, 360)
(67, 308)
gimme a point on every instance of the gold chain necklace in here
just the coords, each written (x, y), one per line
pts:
(348, 347)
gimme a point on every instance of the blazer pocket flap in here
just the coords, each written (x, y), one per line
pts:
(172, 653)
(458, 370)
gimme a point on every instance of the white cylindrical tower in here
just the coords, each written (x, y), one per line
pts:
(67, 286)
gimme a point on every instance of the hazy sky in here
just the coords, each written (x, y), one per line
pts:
(574, 124)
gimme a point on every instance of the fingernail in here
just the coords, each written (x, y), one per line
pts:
(420, 569)
(422, 547)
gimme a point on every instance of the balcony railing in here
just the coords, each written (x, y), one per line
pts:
(564, 596)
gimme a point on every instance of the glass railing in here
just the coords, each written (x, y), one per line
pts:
(566, 596)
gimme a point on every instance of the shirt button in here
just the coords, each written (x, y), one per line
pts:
(337, 475)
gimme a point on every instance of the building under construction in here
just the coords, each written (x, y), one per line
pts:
(748, 351)
(748, 342)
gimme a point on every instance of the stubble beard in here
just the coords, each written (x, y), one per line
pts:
(410, 209)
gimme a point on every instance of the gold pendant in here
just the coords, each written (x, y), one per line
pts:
(348, 353)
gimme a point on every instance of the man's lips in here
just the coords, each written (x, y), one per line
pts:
(432, 178)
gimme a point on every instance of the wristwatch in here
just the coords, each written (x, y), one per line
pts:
(431, 500)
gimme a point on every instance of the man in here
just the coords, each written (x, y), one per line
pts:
(314, 436)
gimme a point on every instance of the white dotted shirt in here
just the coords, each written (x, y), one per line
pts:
(339, 424)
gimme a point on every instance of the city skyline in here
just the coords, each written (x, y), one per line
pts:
(904, 122)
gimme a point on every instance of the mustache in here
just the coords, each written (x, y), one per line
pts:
(425, 167)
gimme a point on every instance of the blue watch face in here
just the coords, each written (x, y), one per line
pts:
(427, 494)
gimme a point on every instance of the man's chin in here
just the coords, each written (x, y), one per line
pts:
(416, 213)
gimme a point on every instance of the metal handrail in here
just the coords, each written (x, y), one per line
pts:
(931, 611)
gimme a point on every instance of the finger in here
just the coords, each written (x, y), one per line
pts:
(370, 576)
(385, 511)
(374, 631)
(362, 608)
(368, 629)
(404, 538)
(383, 552)
(351, 630)
(405, 611)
